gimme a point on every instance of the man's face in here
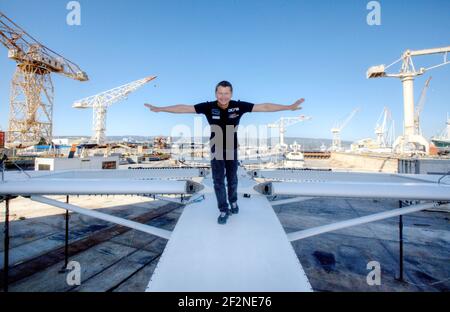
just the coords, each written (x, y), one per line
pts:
(223, 95)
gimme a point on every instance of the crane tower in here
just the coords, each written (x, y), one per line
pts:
(32, 90)
(410, 141)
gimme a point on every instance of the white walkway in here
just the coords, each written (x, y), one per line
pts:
(250, 253)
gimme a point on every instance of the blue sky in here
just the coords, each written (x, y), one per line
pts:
(272, 51)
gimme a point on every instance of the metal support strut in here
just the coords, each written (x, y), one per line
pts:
(400, 240)
(6, 248)
(66, 241)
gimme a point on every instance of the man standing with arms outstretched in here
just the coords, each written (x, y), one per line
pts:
(223, 116)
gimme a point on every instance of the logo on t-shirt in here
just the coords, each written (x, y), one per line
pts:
(234, 109)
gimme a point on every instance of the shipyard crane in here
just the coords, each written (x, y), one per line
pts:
(285, 122)
(409, 141)
(32, 92)
(420, 106)
(100, 103)
(384, 129)
(337, 129)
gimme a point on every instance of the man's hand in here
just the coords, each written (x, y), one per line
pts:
(153, 108)
(296, 105)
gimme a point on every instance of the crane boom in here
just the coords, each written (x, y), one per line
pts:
(349, 118)
(421, 105)
(427, 51)
(102, 101)
(107, 98)
(336, 130)
(24, 49)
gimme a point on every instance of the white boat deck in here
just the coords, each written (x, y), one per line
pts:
(250, 253)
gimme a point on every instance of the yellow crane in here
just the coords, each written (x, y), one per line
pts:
(32, 91)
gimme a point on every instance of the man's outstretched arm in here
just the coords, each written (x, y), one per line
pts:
(270, 107)
(176, 109)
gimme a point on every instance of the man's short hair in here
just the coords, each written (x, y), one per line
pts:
(224, 84)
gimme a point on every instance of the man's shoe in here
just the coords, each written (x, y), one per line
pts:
(234, 208)
(223, 218)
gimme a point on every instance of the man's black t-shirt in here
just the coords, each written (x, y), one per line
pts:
(225, 121)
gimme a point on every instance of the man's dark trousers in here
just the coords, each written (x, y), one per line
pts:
(222, 168)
